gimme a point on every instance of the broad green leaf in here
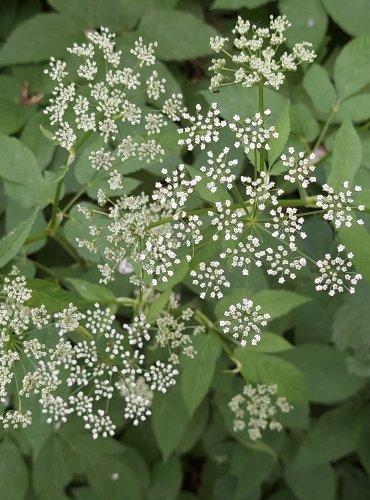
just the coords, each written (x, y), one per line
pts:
(355, 109)
(169, 420)
(13, 113)
(351, 330)
(52, 471)
(277, 303)
(13, 242)
(50, 294)
(14, 477)
(36, 141)
(318, 86)
(22, 175)
(363, 449)
(309, 21)
(39, 38)
(261, 462)
(117, 14)
(197, 373)
(316, 481)
(303, 124)
(325, 371)
(282, 126)
(166, 479)
(346, 159)
(353, 17)
(352, 66)
(191, 34)
(92, 291)
(196, 427)
(333, 436)
(269, 369)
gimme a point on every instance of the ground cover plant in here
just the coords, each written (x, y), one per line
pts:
(185, 263)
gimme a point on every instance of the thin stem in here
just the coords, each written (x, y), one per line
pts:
(68, 248)
(261, 106)
(327, 124)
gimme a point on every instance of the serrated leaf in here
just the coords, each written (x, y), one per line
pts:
(13, 242)
(191, 34)
(346, 158)
(352, 66)
(39, 38)
(197, 373)
(14, 476)
(169, 419)
(277, 303)
(318, 86)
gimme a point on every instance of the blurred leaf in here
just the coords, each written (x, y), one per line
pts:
(303, 124)
(355, 109)
(166, 26)
(36, 141)
(169, 420)
(309, 21)
(13, 242)
(318, 86)
(270, 343)
(238, 4)
(261, 462)
(357, 240)
(39, 38)
(13, 114)
(166, 480)
(52, 470)
(346, 159)
(317, 481)
(282, 127)
(333, 436)
(325, 371)
(22, 175)
(92, 292)
(353, 17)
(352, 66)
(197, 373)
(50, 294)
(13, 472)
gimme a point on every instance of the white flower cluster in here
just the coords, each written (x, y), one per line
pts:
(103, 101)
(255, 59)
(243, 320)
(106, 363)
(252, 133)
(339, 206)
(300, 167)
(336, 273)
(257, 408)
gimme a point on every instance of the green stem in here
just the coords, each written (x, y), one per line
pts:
(54, 223)
(261, 109)
(327, 125)
(85, 334)
(68, 248)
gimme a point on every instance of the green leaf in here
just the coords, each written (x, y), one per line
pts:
(52, 471)
(50, 294)
(277, 303)
(363, 449)
(325, 372)
(355, 109)
(335, 435)
(270, 343)
(261, 461)
(316, 481)
(269, 369)
(353, 17)
(318, 86)
(346, 159)
(169, 420)
(39, 38)
(13, 242)
(13, 114)
(92, 292)
(303, 124)
(197, 373)
(166, 479)
(13, 472)
(238, 4)
(22, 175)
(309, 21)
(191, 34)
(282, 126)
(36, 141)
(352, 67)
